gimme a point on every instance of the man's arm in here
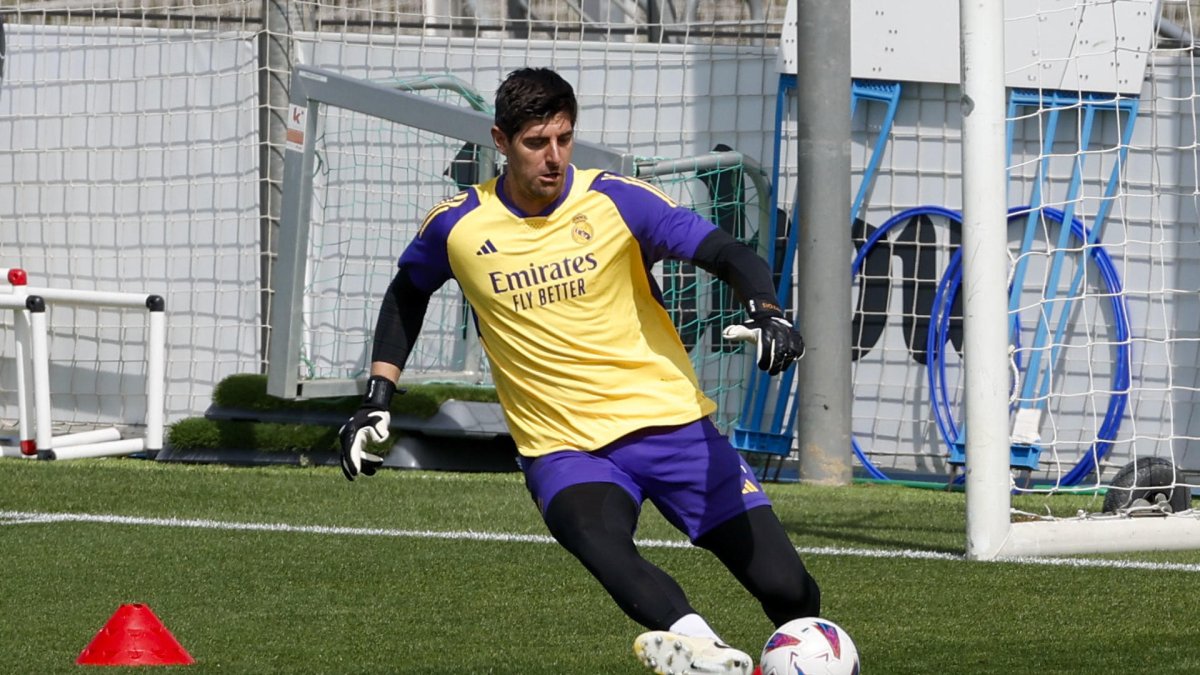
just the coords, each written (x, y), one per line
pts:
(741, 267)
(779, 344)
(400, 317)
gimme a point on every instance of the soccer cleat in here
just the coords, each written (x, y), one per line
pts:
(673, 654)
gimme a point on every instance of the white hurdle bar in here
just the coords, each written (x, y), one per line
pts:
(101, 442)
(30, 320)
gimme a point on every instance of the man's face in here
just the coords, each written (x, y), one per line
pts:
(538, 156)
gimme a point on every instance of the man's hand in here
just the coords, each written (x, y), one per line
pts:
(369, 423)
(778, 343)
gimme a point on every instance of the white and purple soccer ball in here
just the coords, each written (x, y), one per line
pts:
(809, 646)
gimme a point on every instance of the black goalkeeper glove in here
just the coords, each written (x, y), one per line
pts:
(369, 423)
(778, 342)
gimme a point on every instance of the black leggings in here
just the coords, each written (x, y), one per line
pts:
(596, 522)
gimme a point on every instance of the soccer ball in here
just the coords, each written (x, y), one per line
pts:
(809, 646)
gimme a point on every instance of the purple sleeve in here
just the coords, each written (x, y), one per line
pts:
(426, 259)
(664, 229)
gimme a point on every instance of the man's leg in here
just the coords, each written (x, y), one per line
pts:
(590, 505)
(596, 522)
(756, 549)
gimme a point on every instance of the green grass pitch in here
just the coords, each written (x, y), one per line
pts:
(295, 570)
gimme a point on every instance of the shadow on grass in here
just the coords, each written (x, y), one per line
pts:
(876, 529)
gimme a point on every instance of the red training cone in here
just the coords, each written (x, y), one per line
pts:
(133, 636)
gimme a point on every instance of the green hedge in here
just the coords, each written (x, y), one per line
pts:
(198, 433)
(249, 393)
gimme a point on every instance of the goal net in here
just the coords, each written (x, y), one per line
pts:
(1091, 235)
(372, 183)
(128, 166)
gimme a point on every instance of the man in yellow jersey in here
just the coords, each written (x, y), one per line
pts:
(596, 386)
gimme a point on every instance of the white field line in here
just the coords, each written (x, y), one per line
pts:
(34, 517)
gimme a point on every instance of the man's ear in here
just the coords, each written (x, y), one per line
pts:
(500, 140)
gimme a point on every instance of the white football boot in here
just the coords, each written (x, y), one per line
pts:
(672, 654)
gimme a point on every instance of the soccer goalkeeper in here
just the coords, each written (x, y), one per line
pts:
(596, 386)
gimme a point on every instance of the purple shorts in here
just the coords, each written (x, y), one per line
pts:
(690, 472)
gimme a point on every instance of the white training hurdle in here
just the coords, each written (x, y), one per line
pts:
(30, 305)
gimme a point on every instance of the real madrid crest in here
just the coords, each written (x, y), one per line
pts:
(581, 231)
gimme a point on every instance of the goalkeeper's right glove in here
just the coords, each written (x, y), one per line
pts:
(369, 423)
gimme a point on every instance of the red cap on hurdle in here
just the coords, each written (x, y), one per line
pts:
(133, 636)
(17, 277)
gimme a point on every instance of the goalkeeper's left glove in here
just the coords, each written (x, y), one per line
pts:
(778, 342)
(369, 423)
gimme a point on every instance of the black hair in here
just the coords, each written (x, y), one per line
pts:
(532, 94)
